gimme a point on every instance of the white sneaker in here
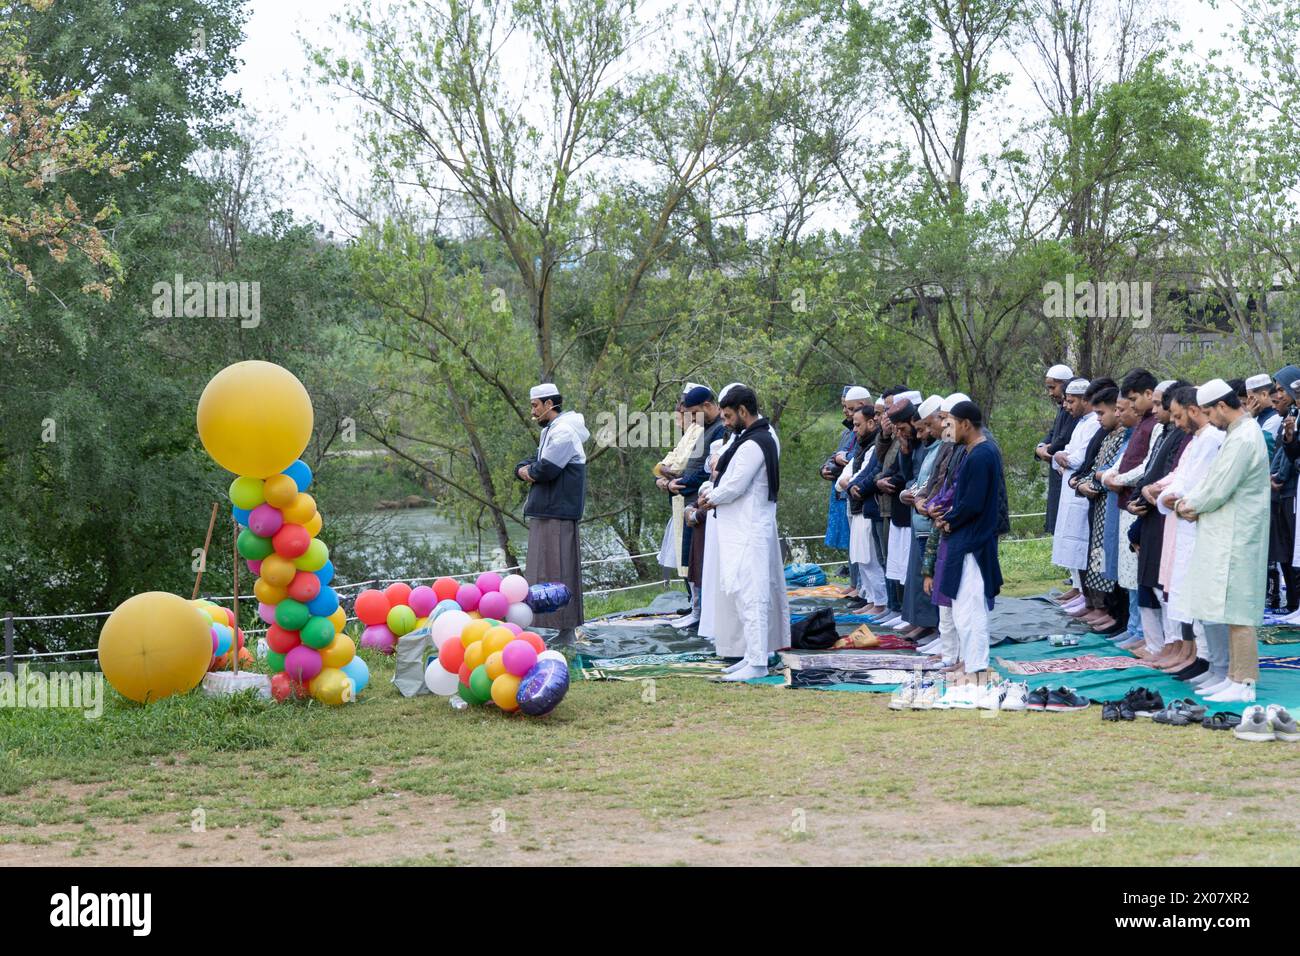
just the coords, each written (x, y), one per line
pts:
(926, 697)
(989, 697)
(1236, 693)
(1282, 723)
(967, 697)
(902, 697)
(932, 648)
(949, 698)
(1015, 697)
(685, 621)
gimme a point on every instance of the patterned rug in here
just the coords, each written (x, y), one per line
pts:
(1279, 663)
(1069, 665)
(856, 661)
(826, 677)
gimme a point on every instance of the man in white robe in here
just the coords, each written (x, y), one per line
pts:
(724, 630)
(1070, 534)
(751, 576)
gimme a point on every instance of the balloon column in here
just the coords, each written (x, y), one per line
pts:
(485, 654)
(255, 419)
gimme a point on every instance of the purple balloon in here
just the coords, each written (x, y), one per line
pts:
(488, 581)
(303, 663)
(265, 520)
(266, 612)
(255, 566)
(380, 638)
(543, 687)
(514, 629)
(494, 605)
(422, 600)
(468, 596)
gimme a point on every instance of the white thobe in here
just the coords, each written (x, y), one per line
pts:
(723, 629)
(862, 544)
(751, 578)
(1070, 537)
(1192, 467)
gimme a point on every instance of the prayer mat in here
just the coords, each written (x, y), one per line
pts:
(818, 591)
(776, 680)
(645, 666)
(1280, 663)
(856, 660)
(863, 639)
(827, 677)
(1279, 635)
(1070, 665)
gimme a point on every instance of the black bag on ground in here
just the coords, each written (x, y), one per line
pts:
(816, 632)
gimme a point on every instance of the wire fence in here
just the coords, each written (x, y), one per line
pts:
(12, 619)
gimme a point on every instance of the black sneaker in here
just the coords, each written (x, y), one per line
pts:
(1110, 710)
(1126, 711)
(1063, 700)
(1144, 702)
(1037, 699)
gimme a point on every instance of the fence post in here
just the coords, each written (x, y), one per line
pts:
(9, 641)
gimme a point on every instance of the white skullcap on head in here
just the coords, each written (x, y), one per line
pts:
(1061, 373)
(1163, 386)
(953, 400)
(545, 390)
(929, 406)
(1212, 391)
(880, 402)
(723, 394)
(1078, 386)
(1258, 381)
(914, 397)
(857, 393)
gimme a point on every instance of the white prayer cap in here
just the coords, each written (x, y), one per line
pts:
(857, 393)
(1164, 386)
(723, 394)
(1078, 386)
(929, 406)
(1061, 373)
(545, 390)
(953, 400)
(1212, 391)
(1261, 380)
(880, 402)
(914, 397)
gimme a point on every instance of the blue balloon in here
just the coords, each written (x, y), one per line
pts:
(326, 574)
(225, 638)
(445, 605)
(241, 515)
(325, 603)
(300, 472)
(543, 687)
(545, 598)
(359, 672)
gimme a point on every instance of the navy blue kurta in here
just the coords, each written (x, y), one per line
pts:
(973, 519)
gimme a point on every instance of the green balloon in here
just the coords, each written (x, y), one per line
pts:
(468, 696)
(253, 547)
(292, 615)
(314, 558)
(317, 633)
(480, 683)
(275, 661)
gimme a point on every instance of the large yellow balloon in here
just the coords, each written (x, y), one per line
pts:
(255, 418)
(155, 645)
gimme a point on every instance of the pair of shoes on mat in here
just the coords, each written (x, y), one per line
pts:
(1267, 723)
(1141, 703)
(1058, 700)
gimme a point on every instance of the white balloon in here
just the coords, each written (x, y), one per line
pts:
(553, 656)
(514, 587)
(439, 680)
(520, 614)
(448, 624)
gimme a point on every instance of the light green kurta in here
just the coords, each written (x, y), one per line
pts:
(1226, 575)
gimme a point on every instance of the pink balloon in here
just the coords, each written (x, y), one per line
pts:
(255, 566)
(488, 581)
(379, 637)
(518, 658)
(303, 663)
(514, 587)
(266, 612)
(494, 605)
(265, 520)
(467, 596)
(422, 600)
(513, 628)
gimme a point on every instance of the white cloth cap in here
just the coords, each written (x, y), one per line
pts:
(1212, 391)
(880, 402)
(914, 397)
(1061, 373)
(953, 400)
(930, 406)
(1163, 386)
(545, 390)
(1258, 381)
(723, 394)
(857, 394)
(1078, 386)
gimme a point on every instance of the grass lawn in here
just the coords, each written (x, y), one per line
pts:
(679, 772)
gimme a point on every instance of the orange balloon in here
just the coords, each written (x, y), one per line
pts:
(505, 692)
(475, 655)
(494, 666)
(300, 510)
(497, 639)
(314, 524)
(268, 593)
(534, 639)
(339, 652)
(278, 570)
(280, 491)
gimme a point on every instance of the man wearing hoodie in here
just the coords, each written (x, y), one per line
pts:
(557, 494)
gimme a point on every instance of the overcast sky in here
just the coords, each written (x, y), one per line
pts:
(313, 125)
